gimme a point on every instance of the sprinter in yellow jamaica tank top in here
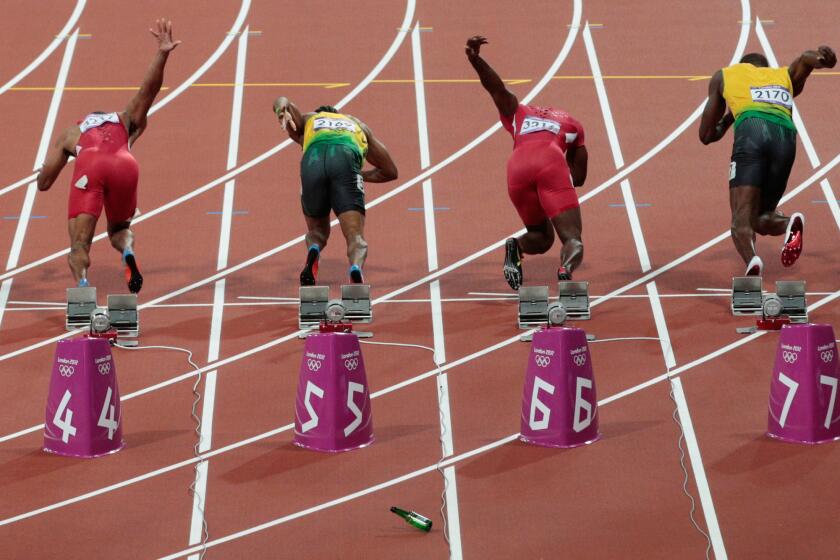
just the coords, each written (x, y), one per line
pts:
(760, 102)
(335, 145)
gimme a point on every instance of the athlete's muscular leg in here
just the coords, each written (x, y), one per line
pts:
(569, 226)
(744, 202)
(317, 231)
(121, 236)
(353, 227)
(537, 240)
(81, 230)
(771, 223)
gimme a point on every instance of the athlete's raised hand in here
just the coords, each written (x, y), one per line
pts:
(474, 45)
(163, 33)
(826, 58)
(281, 109)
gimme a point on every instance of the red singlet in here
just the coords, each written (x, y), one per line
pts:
(539, 182)
(106, 173)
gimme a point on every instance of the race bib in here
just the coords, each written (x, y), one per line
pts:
(93, 121)
(536, 124)
(330, 123)
(775, 95)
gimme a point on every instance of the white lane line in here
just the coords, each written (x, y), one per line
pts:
(71, 22)
(199, 509)
(810, 151)
(432, 373)
(32, 189)
(658, 313)
(409, 13)
(452, 512)
(243, 11)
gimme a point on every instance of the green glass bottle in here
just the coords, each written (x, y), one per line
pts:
(414, 519)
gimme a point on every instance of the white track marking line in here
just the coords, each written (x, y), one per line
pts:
(658, 313)
(71, 22)
(391, 389)
(243, 11)
(199, 510)
(811, 152)
(453, 522)
(32, 189)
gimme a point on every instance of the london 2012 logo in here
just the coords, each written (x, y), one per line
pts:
(580, 359)
(789, 357)
(542, 361)
(351, 364)
(827, 356)
(104, 368)
(66, 371)
(313, 364)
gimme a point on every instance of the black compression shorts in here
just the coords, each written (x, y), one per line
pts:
(330, 176)
(762, 156)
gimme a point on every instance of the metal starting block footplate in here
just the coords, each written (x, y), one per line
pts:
(125, 317)
(80, 303)
(574, 296)
(746, 295)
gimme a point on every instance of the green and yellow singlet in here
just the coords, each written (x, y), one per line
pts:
(335, 128)
(752, 91)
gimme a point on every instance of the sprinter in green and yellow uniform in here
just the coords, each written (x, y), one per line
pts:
(335, 146)
(760, 101)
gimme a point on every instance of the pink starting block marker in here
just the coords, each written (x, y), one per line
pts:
(83, 407)
(559, 404)
(803, 393)
(332, 411)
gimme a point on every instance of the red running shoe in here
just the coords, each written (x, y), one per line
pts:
(563, 274)
(793, 239)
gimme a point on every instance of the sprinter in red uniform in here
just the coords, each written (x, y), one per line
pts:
(549, 159)
(106, 172)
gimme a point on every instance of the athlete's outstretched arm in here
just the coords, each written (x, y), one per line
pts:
(805, 63)
(138, 107)
(290, 117)
(57, 158)
(578, 160)
(505, 101)
(714, 123)
(384, 168)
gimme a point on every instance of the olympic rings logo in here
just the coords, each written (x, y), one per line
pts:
(789, 357)
(351, 364)
(580, 359)
(104, 368)
(542, 361)
(827, 356)
(313, 365)
(66, 371)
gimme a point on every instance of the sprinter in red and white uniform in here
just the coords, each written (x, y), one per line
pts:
(549, 160)
(106, 172)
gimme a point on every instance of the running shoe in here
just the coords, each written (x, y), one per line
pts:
(793, 239)
(309, 274)
(513, 264)
(132, 274)
(356, 275)
(563, 275)
(755, 267)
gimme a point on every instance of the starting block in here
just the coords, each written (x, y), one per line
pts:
(124, 315)
(80, 304)
(332, 410)
(83, 415)
(535, 310)
(559, 402)
(803, 392)
(316, 307)
(786, 305)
